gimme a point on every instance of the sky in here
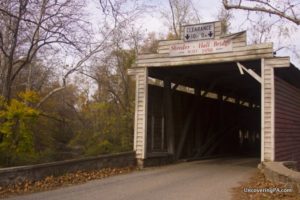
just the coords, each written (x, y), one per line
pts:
(208, 10)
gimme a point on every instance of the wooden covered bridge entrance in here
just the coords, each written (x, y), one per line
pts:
(212, 94)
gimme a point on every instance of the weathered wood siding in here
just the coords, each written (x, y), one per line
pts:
(239, 53)
(268, 105)
(267, 111)
(287, 121)
(140, 128)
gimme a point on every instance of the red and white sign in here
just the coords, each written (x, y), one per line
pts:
(201, 47)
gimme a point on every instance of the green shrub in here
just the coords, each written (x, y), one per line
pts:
(16, 119)
(103, 147)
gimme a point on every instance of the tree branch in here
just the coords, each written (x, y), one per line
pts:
(271, 10)
(50, 94)
(173, 18)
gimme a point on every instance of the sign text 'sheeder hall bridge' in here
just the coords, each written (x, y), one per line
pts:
(201, 47)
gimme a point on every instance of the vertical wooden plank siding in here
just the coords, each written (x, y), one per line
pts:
(287, 121)
(218, 30)
(168, 109)
(267, 110)
(140, 128)
(268, 105)
(262, 125)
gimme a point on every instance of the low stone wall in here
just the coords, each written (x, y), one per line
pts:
(155, 159)
(282, 172)
(13, 175)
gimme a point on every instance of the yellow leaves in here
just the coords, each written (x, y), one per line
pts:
(2, 101)
(16, 115)
(259, 181)
(18, 109)
(29, 96)
(17, 118)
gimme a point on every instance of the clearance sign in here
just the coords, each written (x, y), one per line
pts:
(199, 32)
(201, 47)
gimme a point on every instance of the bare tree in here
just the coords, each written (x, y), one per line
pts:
(31, 29)
(288, 9)
(115, 21)
(179, 13)
(28, 28)
(268, 21)
(225, 16)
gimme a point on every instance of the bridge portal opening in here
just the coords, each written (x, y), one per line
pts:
(199, 111)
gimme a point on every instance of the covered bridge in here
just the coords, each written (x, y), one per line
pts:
(212, 94)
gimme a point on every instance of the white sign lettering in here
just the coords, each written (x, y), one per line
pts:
(199, 32)
(201, 47)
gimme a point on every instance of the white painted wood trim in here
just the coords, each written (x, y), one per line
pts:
(240, 68)
(262, 111)
(145, 114)
(268, 108)
(135, 114)
(249, 71)
(141, 112)
(273, 116)
(131, 72)
(256, 48)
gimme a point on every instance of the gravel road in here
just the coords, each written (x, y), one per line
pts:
(208, 180)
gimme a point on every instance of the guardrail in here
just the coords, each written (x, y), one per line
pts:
(14, 175)
(282, 172)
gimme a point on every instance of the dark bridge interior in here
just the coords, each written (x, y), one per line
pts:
(204, 110)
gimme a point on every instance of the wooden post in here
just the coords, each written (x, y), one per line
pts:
(212, 142)
(162, 129)
(162, 133)
(152, 131)
(186, 128)
(221, 112)
(168, 109)
(199, 137)
(141, 110)
(220, 139)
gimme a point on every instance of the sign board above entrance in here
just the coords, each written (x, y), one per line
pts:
(201, 47)
(199, 32)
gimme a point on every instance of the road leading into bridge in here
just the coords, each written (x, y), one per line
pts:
(209, 179)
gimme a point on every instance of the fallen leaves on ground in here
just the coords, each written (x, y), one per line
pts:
(52, 182)
(259, 181)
